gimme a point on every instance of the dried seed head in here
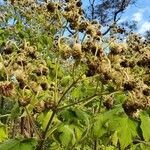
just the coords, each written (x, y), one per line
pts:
(79, 4)
(76, 51)
(6, 88)
(45, 71)
(24, 102)
(44, 86)
(22, 62)
(146, 92)
(32, 54)
(124, 63)
(144, 62)
(108, 103)
(129, 86)
(51, 7)
(21, 82)
(39, 107)
(8, 50)
(131, 108)
(92, 67)
(50, 105)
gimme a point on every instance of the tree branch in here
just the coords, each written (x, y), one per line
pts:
(92, 8)
(124, 4)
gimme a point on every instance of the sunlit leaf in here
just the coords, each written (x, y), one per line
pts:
(3, 133)
(126, 129)
(16, 144)
(145, 125)
(65, 135)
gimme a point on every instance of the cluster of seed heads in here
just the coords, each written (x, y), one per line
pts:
(132, 59)
(122, 64)
(27, 74)
(126, 65)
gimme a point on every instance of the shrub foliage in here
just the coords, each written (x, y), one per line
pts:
(65, 86)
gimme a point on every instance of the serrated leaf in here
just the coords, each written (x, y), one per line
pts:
(126, 129)
(75, 116)
(65, 136)
(100, 124)
(114, 138)
(65, 80)
(145, 125)
(16, 144)
(98, 128)
(120, 98)
(78, 132)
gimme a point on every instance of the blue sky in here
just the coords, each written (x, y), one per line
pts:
(139, 12)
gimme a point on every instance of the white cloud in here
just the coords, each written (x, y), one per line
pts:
(138, 16)
(125, 18)
(144, 27)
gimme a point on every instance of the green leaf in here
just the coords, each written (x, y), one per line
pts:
(78, 131)
(126, 129)
(65, 135)
(78, 92)
(114, 138)
(65, 81)
(74, 116)
(3, 133)
(98, 128)
(140, 146)
(120, 98)
(17, 144)
(110, 148)
(43, 119)
(145, 125)
(101, 121)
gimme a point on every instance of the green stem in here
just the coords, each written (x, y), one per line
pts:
(78, 102)
(64, 94)
(40, 147)
(146, 143)
(3, 116)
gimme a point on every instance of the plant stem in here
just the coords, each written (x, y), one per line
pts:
(40, 147)
(62, 97)
(146, 143)
(3, 116)
(75, 103)
(95, 145)
(33, 124)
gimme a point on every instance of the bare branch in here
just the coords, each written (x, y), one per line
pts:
(92, 8)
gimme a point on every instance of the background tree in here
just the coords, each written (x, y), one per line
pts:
(147, 35)
(108, 12)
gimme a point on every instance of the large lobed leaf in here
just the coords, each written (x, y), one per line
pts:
(17, 144)
(116, 121)
(126, 130)
(145, 125)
